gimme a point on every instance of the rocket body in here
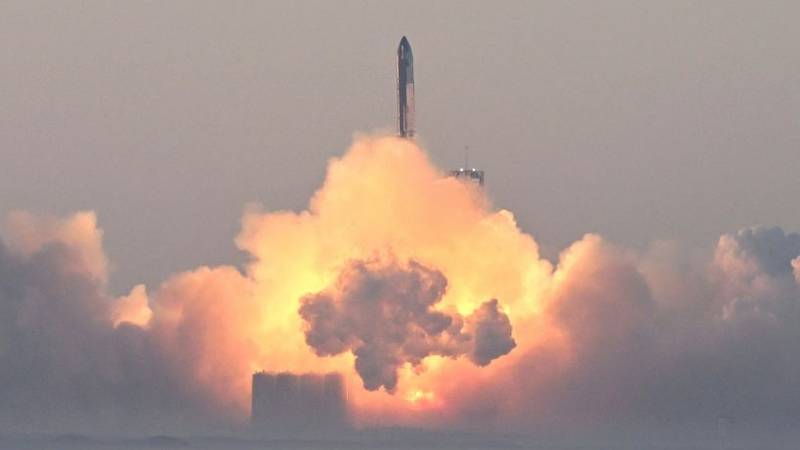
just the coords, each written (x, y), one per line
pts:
(405, 89)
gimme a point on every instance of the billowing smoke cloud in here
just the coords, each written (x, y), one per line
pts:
(491, 331)
(607, 337)
(657, 340)
(383, 313)
(72, 357)
(60, 357)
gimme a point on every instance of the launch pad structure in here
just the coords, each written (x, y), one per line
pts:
(472, 174)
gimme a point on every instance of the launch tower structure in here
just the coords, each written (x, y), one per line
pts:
(473, 174)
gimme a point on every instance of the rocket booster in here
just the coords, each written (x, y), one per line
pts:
(405, 89)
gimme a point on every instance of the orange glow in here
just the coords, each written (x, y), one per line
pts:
(382, 197)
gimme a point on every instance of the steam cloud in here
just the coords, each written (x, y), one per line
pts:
(606, 336)
(659, 340)
(382, 312)
(72, 357)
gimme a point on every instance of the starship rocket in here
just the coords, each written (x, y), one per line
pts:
(405, 89)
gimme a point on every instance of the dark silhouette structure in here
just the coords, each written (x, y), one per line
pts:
(291, 403)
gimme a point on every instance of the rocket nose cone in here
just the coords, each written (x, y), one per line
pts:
(404, 43)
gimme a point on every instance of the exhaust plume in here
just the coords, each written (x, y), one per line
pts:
(436, 309)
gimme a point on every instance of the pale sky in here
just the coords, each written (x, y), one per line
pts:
(641, 121)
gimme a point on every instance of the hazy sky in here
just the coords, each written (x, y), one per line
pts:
(637, 120)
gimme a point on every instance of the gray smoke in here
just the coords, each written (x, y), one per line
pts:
(660, 340)
(655, 339)
(492, 333)
(384, 313)
(60, 358)
(64, 365)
